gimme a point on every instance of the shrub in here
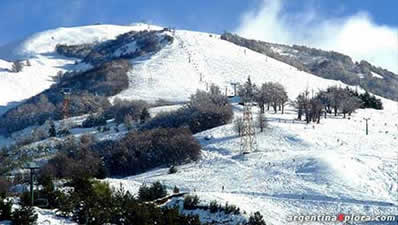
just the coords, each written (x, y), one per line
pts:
(94, 120)
(256, 219)
(191, 202)
(123, 108)
(205, 110)
(76, 159)
(24, 216)
(139, 151)
(156, 191)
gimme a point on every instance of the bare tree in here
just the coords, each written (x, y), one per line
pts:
(349, 105)
(336, 95)
(273, 94)
(263, 97)
(302, 104)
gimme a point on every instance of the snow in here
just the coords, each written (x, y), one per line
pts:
(377, 75)
(39, 49)
(328, 168)
(45, 42)
(175, 72)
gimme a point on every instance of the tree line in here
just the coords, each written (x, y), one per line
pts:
(333, 100)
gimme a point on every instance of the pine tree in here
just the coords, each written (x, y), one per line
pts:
(52, 132)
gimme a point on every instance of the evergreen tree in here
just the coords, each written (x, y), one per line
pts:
(52, 132)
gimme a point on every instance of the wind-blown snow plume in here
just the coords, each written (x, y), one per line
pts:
(356, 35)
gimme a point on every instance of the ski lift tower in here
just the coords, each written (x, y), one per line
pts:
(248, 141)
(32, 166)
(235, 84)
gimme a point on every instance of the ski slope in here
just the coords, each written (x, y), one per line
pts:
(196, 60)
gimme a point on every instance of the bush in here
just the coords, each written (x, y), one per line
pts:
(156, 191)
(191, 202)
(94, 121)
(139, 151)
(123, 108)
(24, 216)
(256, 219)
(204, 111)
(76, 159)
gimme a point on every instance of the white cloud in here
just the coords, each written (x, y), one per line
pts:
(356, 35)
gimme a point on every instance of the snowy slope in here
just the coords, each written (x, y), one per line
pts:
(176, 71)
(39, 49)
(327, 169)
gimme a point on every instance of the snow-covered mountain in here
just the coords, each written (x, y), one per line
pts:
(329, 168)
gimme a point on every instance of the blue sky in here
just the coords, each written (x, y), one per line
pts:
(19, 18)
(23, 17)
